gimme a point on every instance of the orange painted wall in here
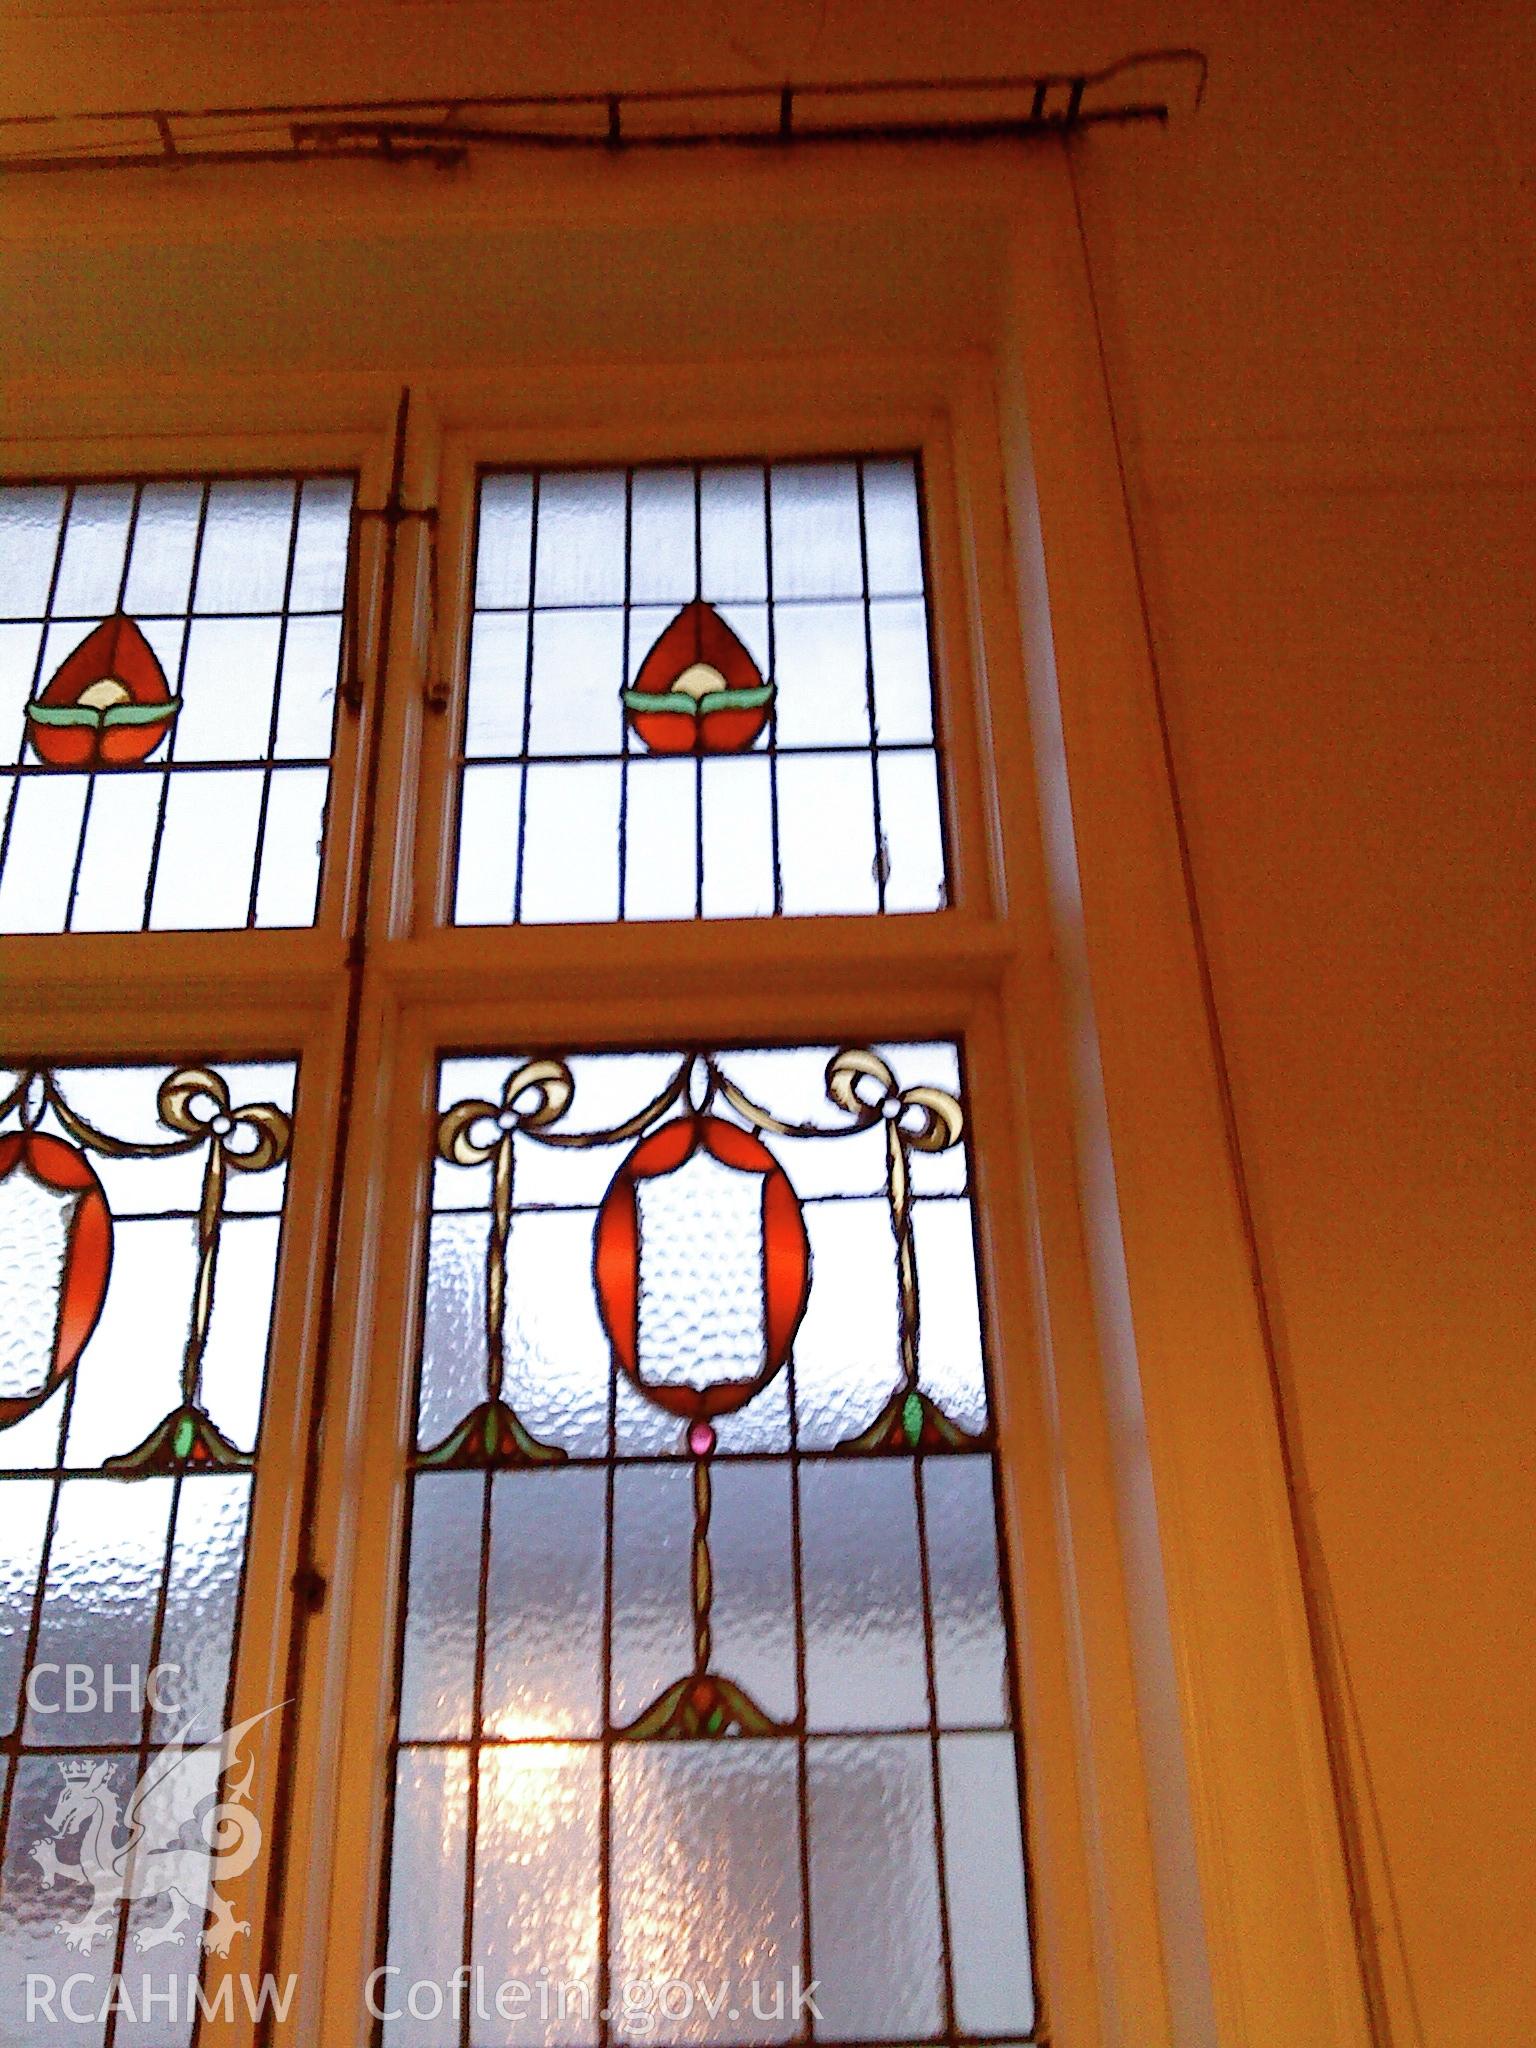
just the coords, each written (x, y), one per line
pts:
(1317, 309)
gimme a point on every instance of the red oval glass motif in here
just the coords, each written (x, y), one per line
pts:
(59, 1254)
(698, 690)
(701, 1326)
(107, 705)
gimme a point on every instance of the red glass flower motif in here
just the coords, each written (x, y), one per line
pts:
(678, 1315)
(56, 1243)
(698, 690)
(108, 704)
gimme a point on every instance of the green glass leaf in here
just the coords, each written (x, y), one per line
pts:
(670, 700)
(139, 714)
(736, 700)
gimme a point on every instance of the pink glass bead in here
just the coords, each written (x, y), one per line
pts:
(701, 1439)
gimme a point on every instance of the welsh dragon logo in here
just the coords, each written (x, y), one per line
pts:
(142, 1852)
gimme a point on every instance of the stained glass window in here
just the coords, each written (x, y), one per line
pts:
(704, 1688)
(700, 691)
(140, 1211)
(169, 656)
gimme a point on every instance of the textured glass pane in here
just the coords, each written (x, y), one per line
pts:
(706, 1886)
(119, 843)
(701, 1274)
(30, 520)
(243, 566)
(426, 1882)
(290, 847)
(227, 689)
(506, 530)
(846, 1355)
(571, 845)
(498, 684)
(733, 537)
(164, 548)
(662, 537)
(23, 1515)
(203, 880)
(577, 659)
(39, 1922)
(453, 1328)
(536, 1892)
(201, 1603)
(898, 636)
(307, 711)
(19, 648)
(911, 831)
(822, 671)
(816, 530)
(438, 1676)
(753, 1617)
(754, 699)
(984, 1879)
(874, 1889)
(40, 861)
(488, 828)
(651, 1641)
(235, 1357)
(320, 553)
(738, 839)
(581, 538)
(99, 1601)
(130, 1374)
(543, 1661)
(949, 1350)
(95, 543)
(892, 539)
(826, 834)
(864, 1663)
(660, 846)
(969, 1665)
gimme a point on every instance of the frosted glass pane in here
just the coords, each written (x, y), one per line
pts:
(164, 548)
(95, 540)
(949, 1341)
(488, 821)
(130, 1373)
(536, 1893)
(307, 710)
(438, 1673)
(847, 1360)
(969, 1668)
(243, 566)
(864, 1660)
(874, 1889)
(891, 536)
(99, 1601)
(984, 1880)
(571, 845)
(506, 527)
(543, 1661)
(734, 532)
(662, 560)
(23, 1513)
(652, 1630)
(826, 834)
(660, 849)
(898, 634)
(426, 1879)
(203, 882)
(581, 538)
(578, 657)
(822, 667)
(227, 689)
(290, 852)
(45, 834)
(453, 1325)
(320, 553)
(914, 838)
(701, 1274)
(30, 515)
(753, 1617)
(816, 530)
(498, 684)
(119, 841)
(202, 1595)
(738, 839)
(19, 647)
(235, 1358)
(38, 1920)
(706, 1884)
(557, 1356)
